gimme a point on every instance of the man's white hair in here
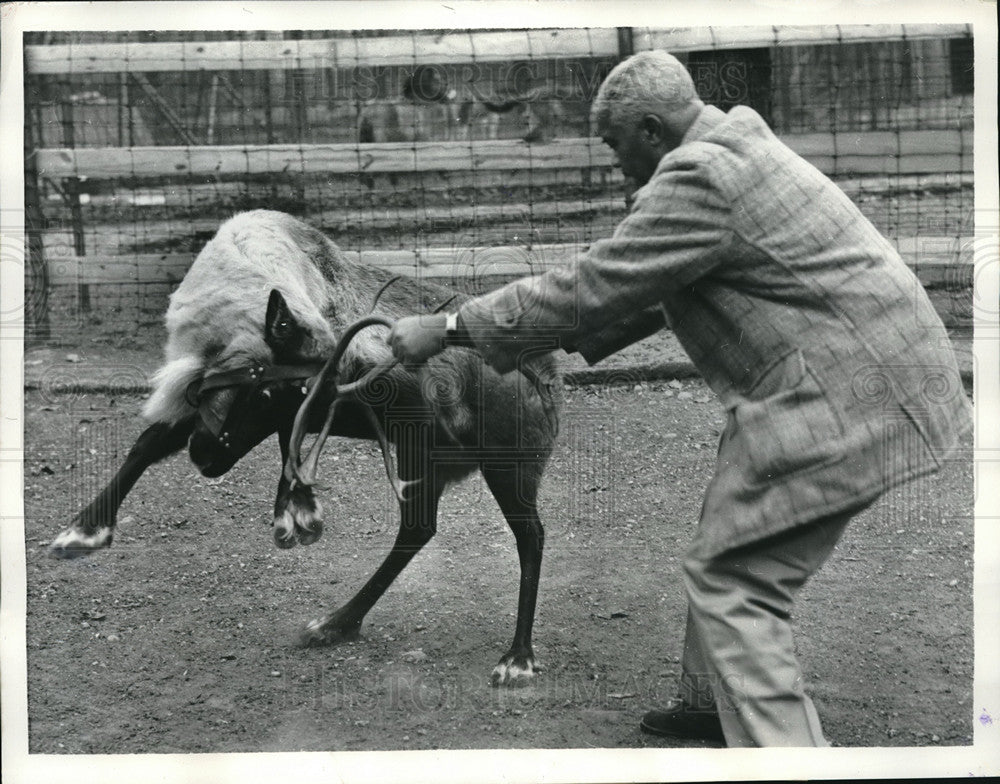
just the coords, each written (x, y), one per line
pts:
(654, 81)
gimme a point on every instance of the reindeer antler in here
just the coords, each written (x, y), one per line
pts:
(304, 471)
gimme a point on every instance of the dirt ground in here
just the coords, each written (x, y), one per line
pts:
(181, 637)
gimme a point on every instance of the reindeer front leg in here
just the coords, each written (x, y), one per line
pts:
(93, 527)
(298, 516)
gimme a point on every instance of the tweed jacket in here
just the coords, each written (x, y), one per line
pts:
(837, 374)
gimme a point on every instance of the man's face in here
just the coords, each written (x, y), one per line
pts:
(636, 153)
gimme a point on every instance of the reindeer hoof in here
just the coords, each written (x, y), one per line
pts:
(284, 532)
(300, 523)
(325, 633)
(513, 671)
(72, 543)
(307, 537)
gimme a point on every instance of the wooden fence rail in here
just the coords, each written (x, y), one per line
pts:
(451, 48)
(703, 38)
(862, 153)
(938, 262)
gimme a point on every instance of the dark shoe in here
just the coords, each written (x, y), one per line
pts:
(680, 720)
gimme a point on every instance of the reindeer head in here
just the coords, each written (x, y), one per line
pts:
(253, 391)
(427, 84)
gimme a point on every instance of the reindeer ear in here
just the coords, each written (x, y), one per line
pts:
(282, 332)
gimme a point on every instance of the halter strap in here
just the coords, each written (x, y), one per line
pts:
(249, 375)
(257, 374)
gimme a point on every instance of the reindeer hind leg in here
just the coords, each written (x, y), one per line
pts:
(515, 487)
(418, 524)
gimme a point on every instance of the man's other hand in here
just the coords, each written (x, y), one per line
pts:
(415, 339)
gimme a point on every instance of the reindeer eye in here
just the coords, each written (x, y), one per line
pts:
(266, 393)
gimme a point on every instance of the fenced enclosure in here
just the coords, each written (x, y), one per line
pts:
(465, 156)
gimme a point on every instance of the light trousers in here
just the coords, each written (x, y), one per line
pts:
(739, 656)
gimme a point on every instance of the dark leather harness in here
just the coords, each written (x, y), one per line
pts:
(250, 379)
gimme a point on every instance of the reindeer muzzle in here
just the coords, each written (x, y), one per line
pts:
(248, 381)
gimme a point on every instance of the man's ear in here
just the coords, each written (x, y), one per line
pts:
(653, 129)
(282, 333)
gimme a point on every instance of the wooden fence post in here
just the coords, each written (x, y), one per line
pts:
(626, 44)
(36, 273)
(124, 137)
(300, 112)
(71, 192)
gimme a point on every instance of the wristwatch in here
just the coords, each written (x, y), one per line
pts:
(455, 335)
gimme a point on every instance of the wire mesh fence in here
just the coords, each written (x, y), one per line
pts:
(463, 155)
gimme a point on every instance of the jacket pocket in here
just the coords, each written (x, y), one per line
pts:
(786, 424)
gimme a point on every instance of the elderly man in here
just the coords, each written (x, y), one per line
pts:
(836, 373)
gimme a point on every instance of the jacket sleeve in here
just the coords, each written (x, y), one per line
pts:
(678, 231)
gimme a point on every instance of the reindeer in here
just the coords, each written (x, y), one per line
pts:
(426, 111)
(250, 331)
(539, 110)
(430, 110)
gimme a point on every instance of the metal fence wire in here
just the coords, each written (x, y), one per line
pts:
(460, 155)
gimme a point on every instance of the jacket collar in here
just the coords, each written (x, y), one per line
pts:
(705, 122)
